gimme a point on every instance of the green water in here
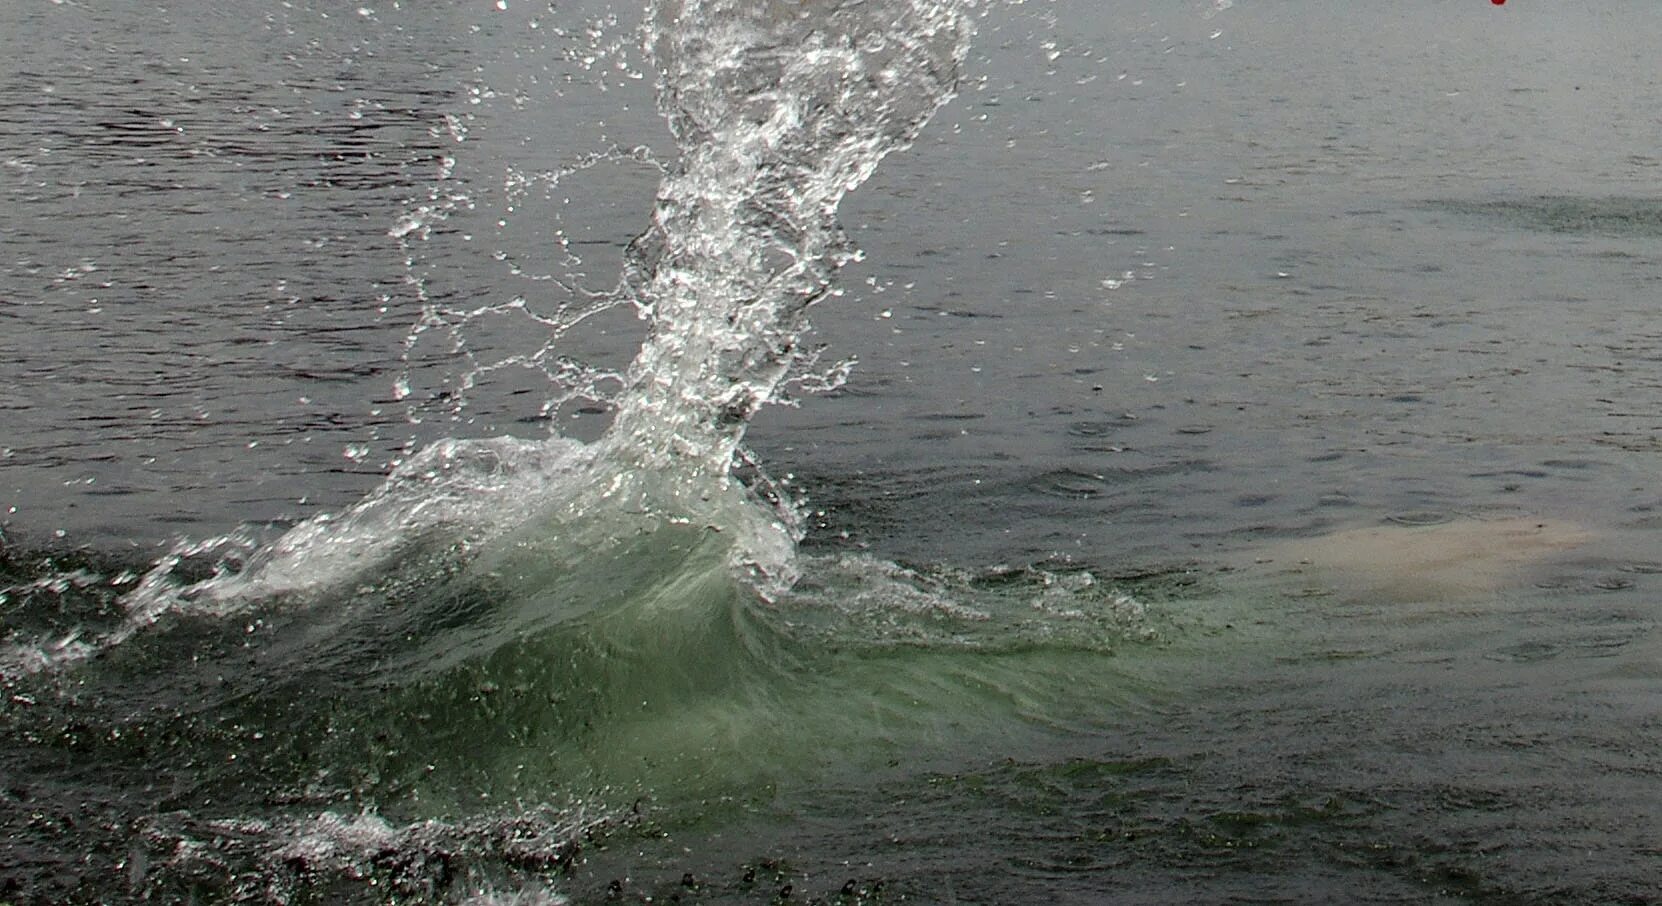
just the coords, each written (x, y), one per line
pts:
(664, 696)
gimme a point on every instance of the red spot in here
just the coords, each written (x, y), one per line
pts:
(1498, 2)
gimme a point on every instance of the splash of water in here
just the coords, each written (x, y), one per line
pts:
(778, 108)
(572, 604)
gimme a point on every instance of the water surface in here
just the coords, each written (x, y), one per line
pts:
(1244, 489)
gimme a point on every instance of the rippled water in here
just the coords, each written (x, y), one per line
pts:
(1244, 489)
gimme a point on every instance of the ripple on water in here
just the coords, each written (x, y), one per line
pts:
(1078, 484)
(1619, 216)
(1420, 517)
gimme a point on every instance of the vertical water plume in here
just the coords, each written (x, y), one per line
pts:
(778, 108)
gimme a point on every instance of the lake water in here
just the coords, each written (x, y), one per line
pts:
(1235, 480)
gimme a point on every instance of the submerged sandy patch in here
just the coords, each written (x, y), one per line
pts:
(1463, 558)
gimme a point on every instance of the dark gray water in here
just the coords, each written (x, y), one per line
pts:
(1169, 294)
